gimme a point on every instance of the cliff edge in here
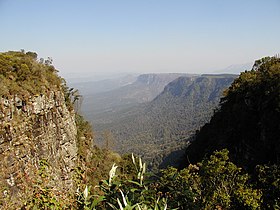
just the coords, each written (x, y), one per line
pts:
(38, 134)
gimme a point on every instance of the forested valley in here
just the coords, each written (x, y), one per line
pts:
(159, 130)
(225, 127)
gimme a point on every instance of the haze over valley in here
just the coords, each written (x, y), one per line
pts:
(151, 115)
(139, 104)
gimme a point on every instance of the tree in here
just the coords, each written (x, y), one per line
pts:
(214, 183)
(268, 179)
(33, 55)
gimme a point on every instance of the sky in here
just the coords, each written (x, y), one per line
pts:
(90, 37)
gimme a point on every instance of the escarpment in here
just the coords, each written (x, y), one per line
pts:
(38, 134)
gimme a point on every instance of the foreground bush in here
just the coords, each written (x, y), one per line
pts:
(215, 183)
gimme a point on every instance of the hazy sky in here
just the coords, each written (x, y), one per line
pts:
(142, 35)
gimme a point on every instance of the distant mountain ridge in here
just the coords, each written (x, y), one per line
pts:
(159, 79)
(236, 68)
(145, 88)
(104, 85)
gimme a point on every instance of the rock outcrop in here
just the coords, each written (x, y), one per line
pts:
(40, 128)
(42, 143)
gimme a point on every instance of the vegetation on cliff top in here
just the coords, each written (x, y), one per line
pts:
(24, 74)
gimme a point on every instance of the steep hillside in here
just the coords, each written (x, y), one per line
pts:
(162, 126)
(37, 127)
(45, 147)
(144, 89)
(248, 121)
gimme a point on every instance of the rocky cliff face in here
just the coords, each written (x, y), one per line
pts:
(34, 130)
(158, 81)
